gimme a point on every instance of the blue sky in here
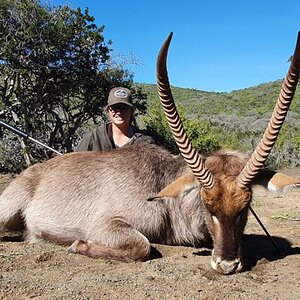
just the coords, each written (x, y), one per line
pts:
(218, 45)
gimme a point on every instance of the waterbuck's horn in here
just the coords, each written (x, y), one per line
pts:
(191, 156)
(267, 142)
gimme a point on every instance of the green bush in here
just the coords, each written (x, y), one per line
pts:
(199, 131)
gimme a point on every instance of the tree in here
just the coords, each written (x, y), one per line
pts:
(56, 71)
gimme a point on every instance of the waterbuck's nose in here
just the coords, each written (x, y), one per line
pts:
(228, 267)
(225, 266)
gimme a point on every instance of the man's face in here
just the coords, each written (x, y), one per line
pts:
(120, 114)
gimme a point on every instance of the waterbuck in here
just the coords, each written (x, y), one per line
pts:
(113, 204)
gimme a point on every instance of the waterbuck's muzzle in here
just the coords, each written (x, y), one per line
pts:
(225, 266)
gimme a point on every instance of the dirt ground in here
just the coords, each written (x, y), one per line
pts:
(46, 271)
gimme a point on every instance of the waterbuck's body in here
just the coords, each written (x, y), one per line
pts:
(98, 201)
(102, 198)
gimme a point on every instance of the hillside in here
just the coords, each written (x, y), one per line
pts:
(258, 100)
(239, 118)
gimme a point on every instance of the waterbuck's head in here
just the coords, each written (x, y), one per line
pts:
(225, 179)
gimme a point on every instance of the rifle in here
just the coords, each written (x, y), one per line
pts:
(26, 136)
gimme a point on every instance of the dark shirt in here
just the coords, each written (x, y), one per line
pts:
(98, 139)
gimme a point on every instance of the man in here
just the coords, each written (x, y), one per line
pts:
(118, 132)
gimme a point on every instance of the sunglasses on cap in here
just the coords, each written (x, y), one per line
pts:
(119, 107)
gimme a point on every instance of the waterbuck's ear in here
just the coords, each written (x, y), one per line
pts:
(176, 188)
(281, 182)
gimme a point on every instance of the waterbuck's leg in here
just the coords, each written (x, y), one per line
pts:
(129, 253)
(123, 243)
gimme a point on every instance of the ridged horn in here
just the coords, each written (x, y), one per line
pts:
(191, 156)
(267, 142)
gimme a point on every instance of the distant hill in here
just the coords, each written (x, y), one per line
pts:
(241, 116)
(259, 100)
